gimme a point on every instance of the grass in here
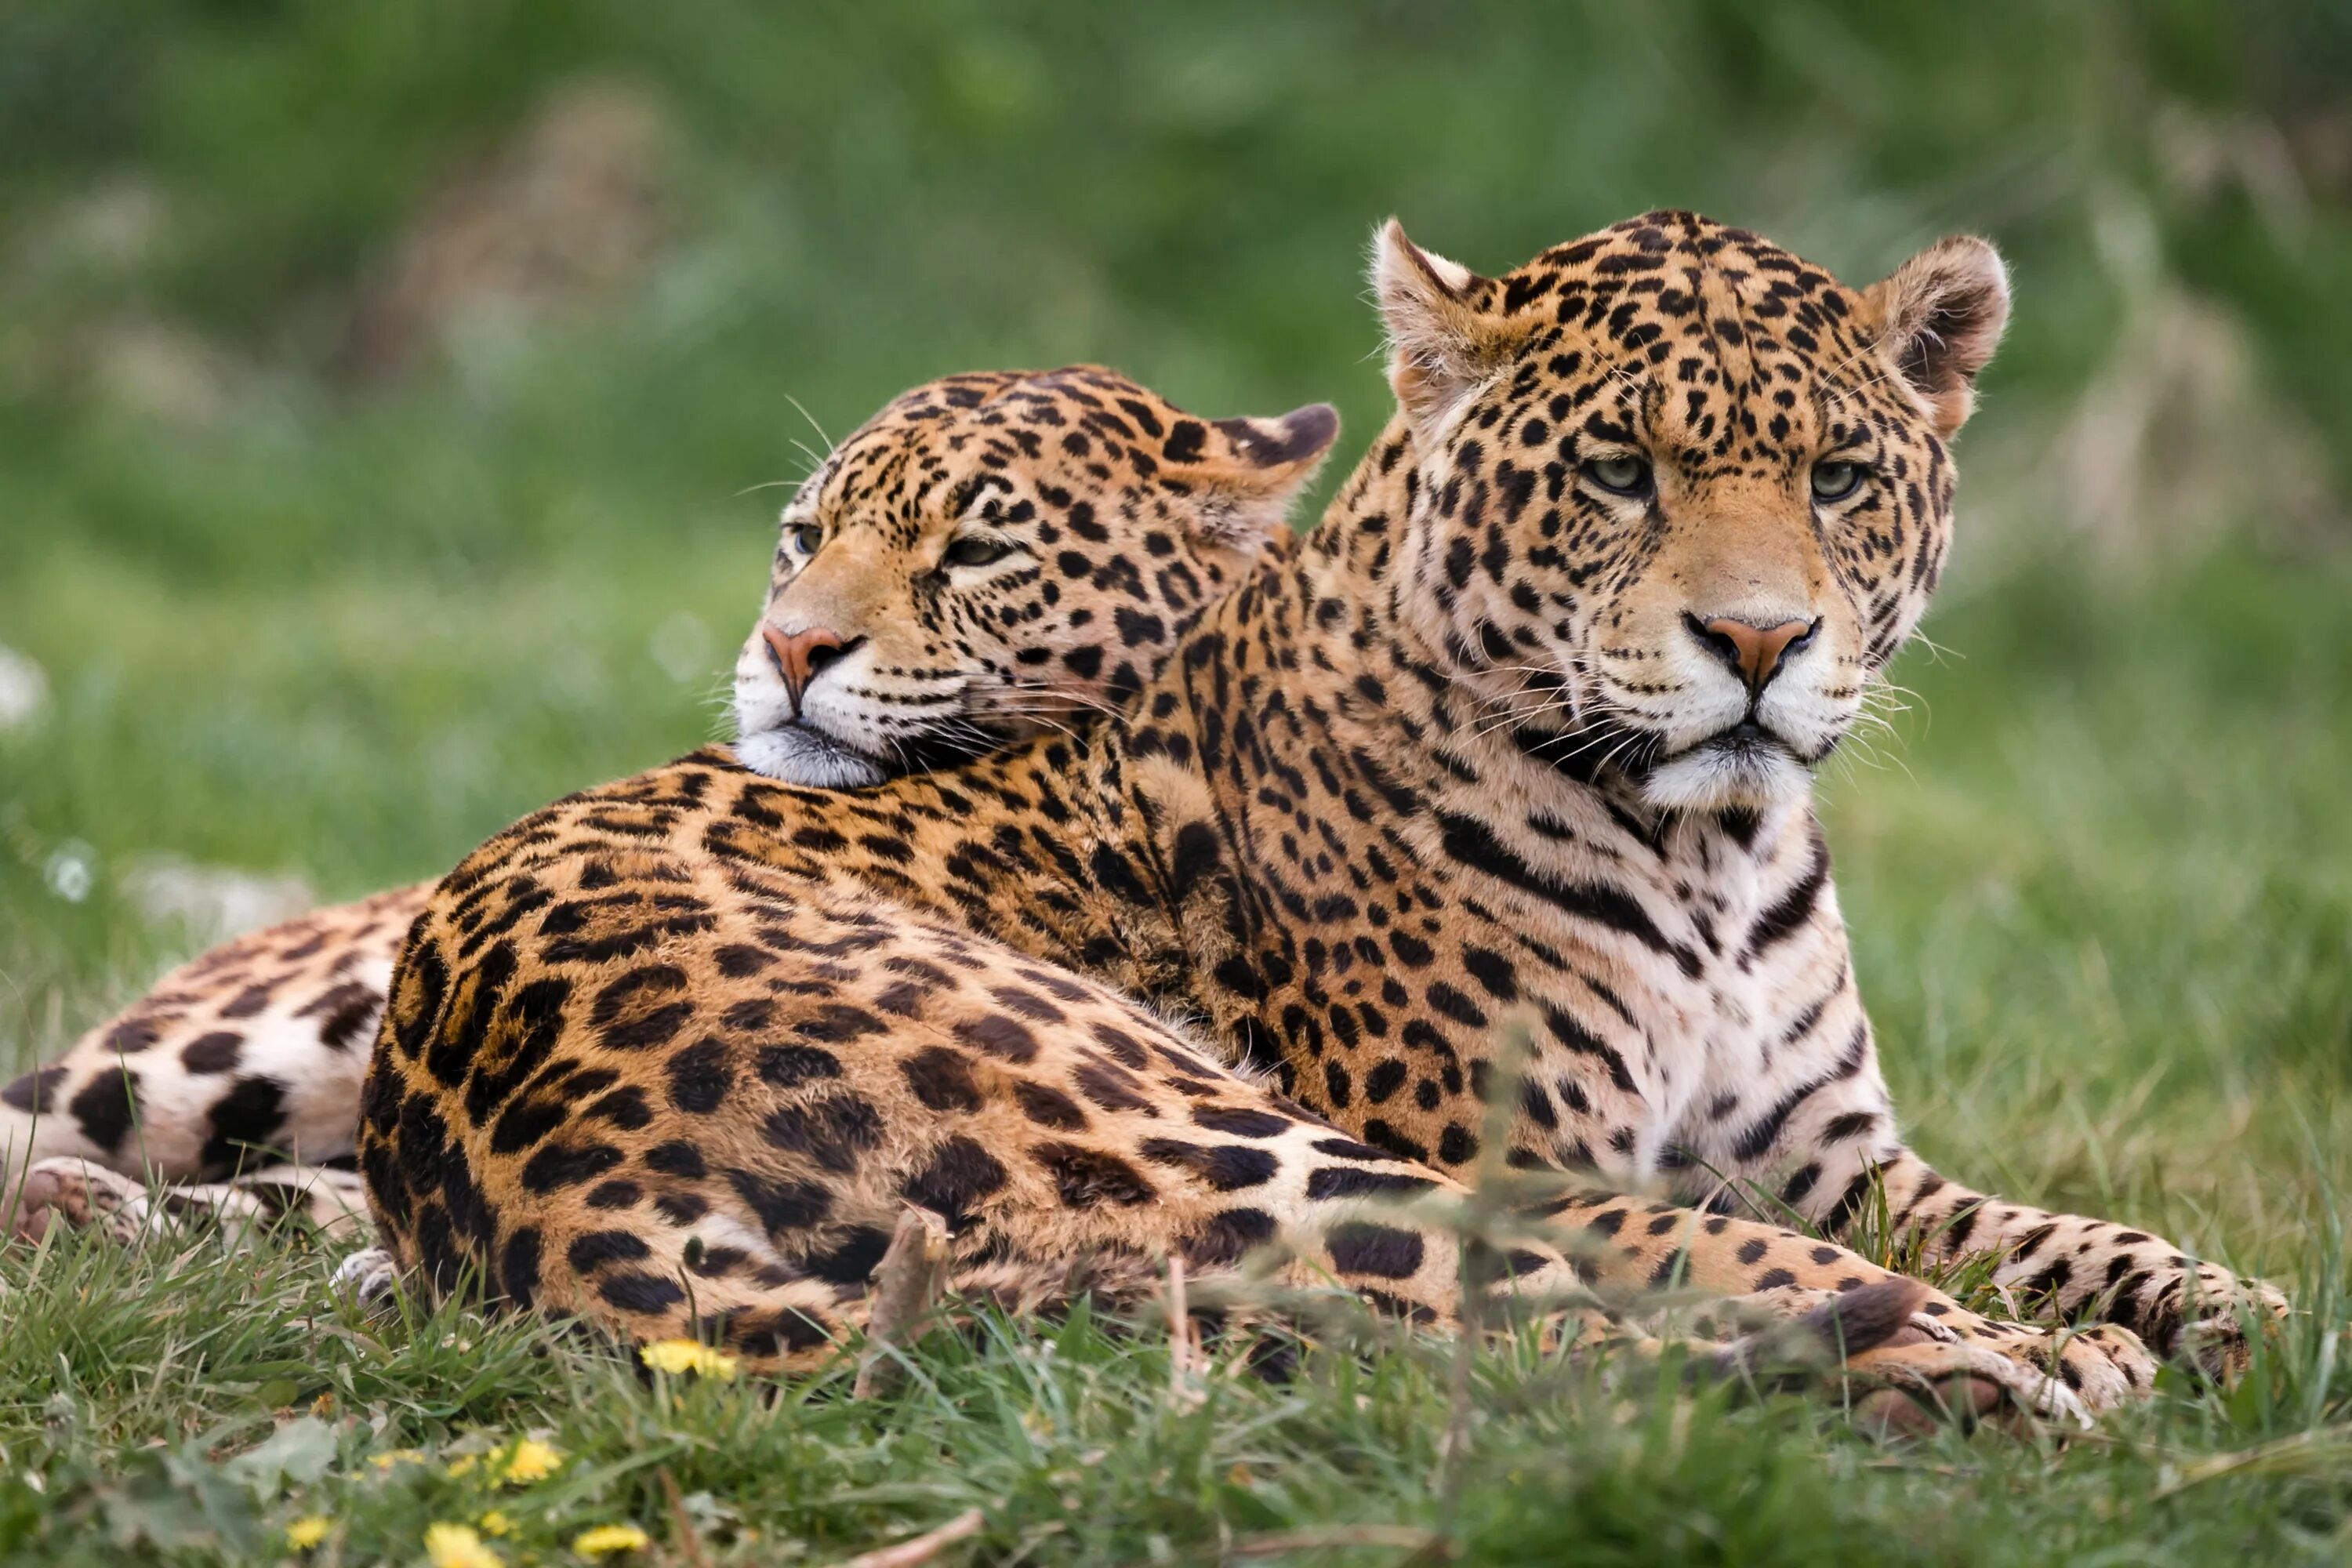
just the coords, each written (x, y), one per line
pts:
(297, 619)
(193, 1423)
(2095, 906)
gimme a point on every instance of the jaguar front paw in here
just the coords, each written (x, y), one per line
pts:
(2211, 1318)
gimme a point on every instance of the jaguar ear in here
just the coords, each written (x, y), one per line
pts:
(1442, 344)
(1252, 471)
(1940, 316)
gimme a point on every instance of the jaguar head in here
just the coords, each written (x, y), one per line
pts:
(1680, 494)
(995, 555)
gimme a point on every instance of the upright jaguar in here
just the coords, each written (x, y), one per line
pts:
(890, 652)
(1489, 803)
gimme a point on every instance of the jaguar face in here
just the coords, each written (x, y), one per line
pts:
(995, 555)
(1682, 493)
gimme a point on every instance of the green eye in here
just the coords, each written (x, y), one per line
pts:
(1835, 481)
(977, 550)
(1623, 475)
(802, 538)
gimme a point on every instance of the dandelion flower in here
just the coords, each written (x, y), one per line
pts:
(305, 1532)
(456, 1546)
(678, 1356)
(398, 1456)
(496, 1522)
(607, 1539)
(531, 1460)
(463, 1465)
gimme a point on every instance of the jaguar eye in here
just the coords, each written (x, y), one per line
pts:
(977, 550)
(1622, 476)
(1836, 480)
(802, 538)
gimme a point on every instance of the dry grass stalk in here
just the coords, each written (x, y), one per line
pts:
(906, 1284)
(924, 1547)
(1187, 1364)
(1424, 1543)
(688, 1539)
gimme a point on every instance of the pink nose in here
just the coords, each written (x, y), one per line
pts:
(1753, 652)
(801, 656)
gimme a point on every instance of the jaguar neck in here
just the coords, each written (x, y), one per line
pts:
(1324, 670)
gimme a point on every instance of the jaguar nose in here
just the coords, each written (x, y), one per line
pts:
(1755, 654)
(800, 657)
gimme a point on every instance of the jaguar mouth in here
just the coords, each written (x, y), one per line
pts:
(1753, 739)
(1746, 739)
(1745, 765)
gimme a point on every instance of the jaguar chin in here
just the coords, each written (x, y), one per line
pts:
(798, 755)
(1746, 765)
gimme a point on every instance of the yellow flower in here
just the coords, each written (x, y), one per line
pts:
(609, 1538)
(531, 1460)
(398, 1456)
(305, 1532)
(456, 1546)
(496, 1522)
(463, 1465)
(676, 1356)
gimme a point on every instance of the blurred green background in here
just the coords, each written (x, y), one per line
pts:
(393, 398)
(385, 390)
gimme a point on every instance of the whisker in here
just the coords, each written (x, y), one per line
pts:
(820, 435)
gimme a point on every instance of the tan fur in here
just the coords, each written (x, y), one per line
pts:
(1334, 827)
(253, 1052)
(250, 1053)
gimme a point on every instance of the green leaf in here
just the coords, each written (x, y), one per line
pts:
(297, 1454)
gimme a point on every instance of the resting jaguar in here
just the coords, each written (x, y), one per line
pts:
(1521, 736)
(894, 650)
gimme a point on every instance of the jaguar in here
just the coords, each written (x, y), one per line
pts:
(947, 616)
(1474, 834)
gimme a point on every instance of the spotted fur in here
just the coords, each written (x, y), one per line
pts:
(955, 607)
(250, 1053)
(1501, 756)
(254, 1050)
